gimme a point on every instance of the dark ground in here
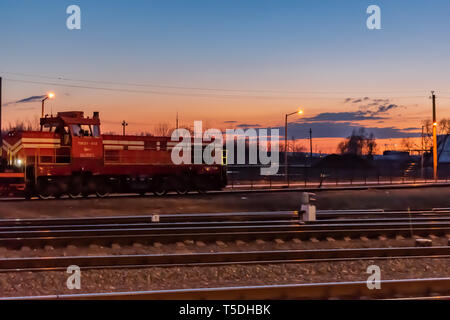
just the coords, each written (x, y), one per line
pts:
(394, 199)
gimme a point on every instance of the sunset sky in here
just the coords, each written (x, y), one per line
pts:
(231, 63)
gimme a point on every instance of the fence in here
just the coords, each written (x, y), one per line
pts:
(245, 176)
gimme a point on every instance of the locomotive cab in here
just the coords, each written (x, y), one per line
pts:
(80, 139)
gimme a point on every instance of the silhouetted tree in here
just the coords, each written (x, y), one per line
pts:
(359, 143)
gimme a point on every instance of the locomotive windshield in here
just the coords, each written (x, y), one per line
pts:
(84, 130)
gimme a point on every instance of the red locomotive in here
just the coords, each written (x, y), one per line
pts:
(70, 156)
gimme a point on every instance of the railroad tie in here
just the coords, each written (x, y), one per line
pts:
(200, 244)
(157, 244)
(116, 246)
(221, 243)
(25, 249)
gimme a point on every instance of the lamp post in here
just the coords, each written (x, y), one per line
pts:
(435, 158)
(285, 142)
(50, 95)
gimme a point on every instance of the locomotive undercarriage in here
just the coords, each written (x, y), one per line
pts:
(82, 185)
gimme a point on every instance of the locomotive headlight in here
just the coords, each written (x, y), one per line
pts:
(19, 162)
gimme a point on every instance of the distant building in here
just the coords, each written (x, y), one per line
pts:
(395, 155)
(443, 149)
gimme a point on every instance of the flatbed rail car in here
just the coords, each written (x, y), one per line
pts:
(70, 156)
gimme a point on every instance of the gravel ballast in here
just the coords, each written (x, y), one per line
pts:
(192, 247)
(156, 278)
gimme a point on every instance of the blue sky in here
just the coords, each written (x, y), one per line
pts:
(312, 54)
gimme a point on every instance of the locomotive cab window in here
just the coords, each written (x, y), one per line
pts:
(95, 131)
(85, 130)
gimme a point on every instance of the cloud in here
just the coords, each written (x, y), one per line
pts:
(369, 109)
(356, 100)
(25, 100)
(329, 129)
(386, 108)
(245, 125)
(342, 116)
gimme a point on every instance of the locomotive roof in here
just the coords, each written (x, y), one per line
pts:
(71, 117)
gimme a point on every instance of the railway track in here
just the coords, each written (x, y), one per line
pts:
(166, 229)
(408, 288)
(236, 189)
(225, 227)
(219, 258)
(331, 215)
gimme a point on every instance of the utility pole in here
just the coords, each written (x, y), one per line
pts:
(310, 144)
(286, 142)
(422, 153)
(285, 149)
(177, 121)
(124, 124)
(1, 137)
(435, 159)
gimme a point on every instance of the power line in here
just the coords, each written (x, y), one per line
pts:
(163, 86)
(203, 95)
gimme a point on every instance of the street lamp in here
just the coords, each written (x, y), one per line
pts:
(50, 95)
(435, 157)
(285, 142)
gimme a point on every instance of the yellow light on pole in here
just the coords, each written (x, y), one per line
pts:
(435, 146)
(49, 95)
(300, 111)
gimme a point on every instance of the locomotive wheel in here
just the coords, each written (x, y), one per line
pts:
(102, 190)
(160, 186)
(201, 185)
(75, 188)
(45, 194)
(74, 195)
(182, 190)
(179, 185)
(44, 190)
(160, 191)
(102, 195)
